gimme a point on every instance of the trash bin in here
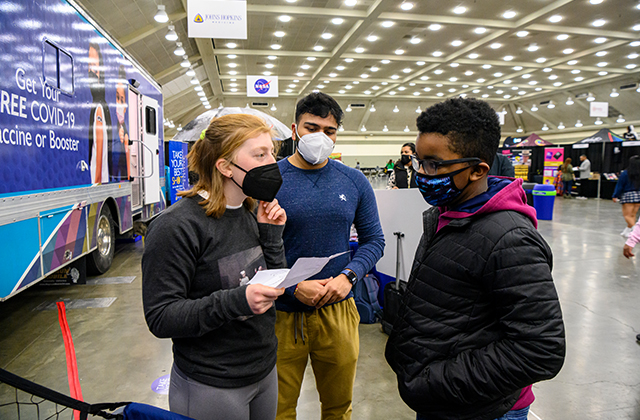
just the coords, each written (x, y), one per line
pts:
(543, 198)
(528, 190)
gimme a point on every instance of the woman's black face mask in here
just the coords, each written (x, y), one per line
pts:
(261, 182)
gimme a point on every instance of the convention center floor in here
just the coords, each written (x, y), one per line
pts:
(119, 360)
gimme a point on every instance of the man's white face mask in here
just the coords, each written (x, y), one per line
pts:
(315, 147)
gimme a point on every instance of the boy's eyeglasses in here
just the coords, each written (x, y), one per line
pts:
(431, 166)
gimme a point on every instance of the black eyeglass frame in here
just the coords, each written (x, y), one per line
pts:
(431, 166)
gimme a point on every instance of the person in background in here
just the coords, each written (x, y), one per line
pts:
(585, 173)
(389, 167)
(358, 165)
(567, 177)
(196, 255)
(627, 193)
(630, 134)
(318, 318)
(627, 250)
(480, 321)
(403, 175)
(502, 167)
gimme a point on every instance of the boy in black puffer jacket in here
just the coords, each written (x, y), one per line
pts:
(480, 321)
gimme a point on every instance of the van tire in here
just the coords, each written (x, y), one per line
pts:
(99, 261)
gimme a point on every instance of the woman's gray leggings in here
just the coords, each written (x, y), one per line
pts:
(194, 399)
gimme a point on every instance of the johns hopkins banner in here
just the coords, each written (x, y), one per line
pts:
(262, 86)
(217, 19)
(179, 171)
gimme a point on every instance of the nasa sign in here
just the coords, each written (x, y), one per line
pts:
(261, 86)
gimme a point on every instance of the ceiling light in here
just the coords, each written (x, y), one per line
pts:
(551, 105)
(600, 40)
(522, 92)
(311, 58)
(415, 40)
(326, 35)
(562, 37)
(572, 62)
(598, 23)
(459, 10)
(318, 48)
(395, 76)
(602, 73)
(533, 83)
(519, 110)
(407, 70)
(179, 50)
(385, 61)
(363, 128)
(372, 109)
(631, 66)
(427, 89)
(534, 108)
(395, 109)
(636, 28)
(300, 74)
(161, 16)
(453, 79)
(498, 74)
(406, 129)
(171, 35)
(418, 110)
(578, 123)
(185, 63)
(279, 34)
(278, 46)
(480, 80)
(526, 76)
(598, 121)
(569, 101)
(348, 108)
(337, 21)
(553, 77)
(372, 38)
(635, 44)
(388, 23)
(437, 53)
(468, 73)
(266, 73)
(435, 27)
(532, 47)
(567, 51)
(340, 68)
(541, 60)
(473, 56)
(509, 14)
(359, 50)
(399, 52)
(385, 129)
(632, 56)
(519, 130)
(601, 53)
(522, 34)
(284, 18)
(204, 94)
(507, 58)
(538, 89)
(233, 65)
(590, 97)
(486, 95)
(547, 69)
(198, 88)
(420, 63)
(555, 18)
(456, 43)
(191, 73)
(406, 6)
(273, 107)
(480, 30)
(401, 88)
(341, 128)
(439, 71)
(495, 45)
(545, 127)
(595, 1)
(561, 126)
(614, 93)
(506, 82)
(454, 64)
(620, 119)
(602, 64)
(476, 91)
(364, 75)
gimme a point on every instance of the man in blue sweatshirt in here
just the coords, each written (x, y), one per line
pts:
(480, 321)
(318, 318)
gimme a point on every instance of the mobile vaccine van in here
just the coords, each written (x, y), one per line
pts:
(81, 156)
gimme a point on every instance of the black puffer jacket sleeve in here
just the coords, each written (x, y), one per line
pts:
(517, 276)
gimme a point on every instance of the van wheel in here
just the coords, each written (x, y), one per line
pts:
(99, 261)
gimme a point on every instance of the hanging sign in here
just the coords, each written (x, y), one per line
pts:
(262, 86)
(599, 109)
(226, 19)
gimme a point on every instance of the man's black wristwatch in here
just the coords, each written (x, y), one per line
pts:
(351, 276)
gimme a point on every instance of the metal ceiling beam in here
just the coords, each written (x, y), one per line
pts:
(144, 32)
(366, 115)
(206, 50)
(170, 99)
(517, 119)
(268, 9)
(225, 51)
(175, 68)
(353, 34)
(539, 118)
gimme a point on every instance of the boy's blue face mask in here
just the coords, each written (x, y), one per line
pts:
(440, 190)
